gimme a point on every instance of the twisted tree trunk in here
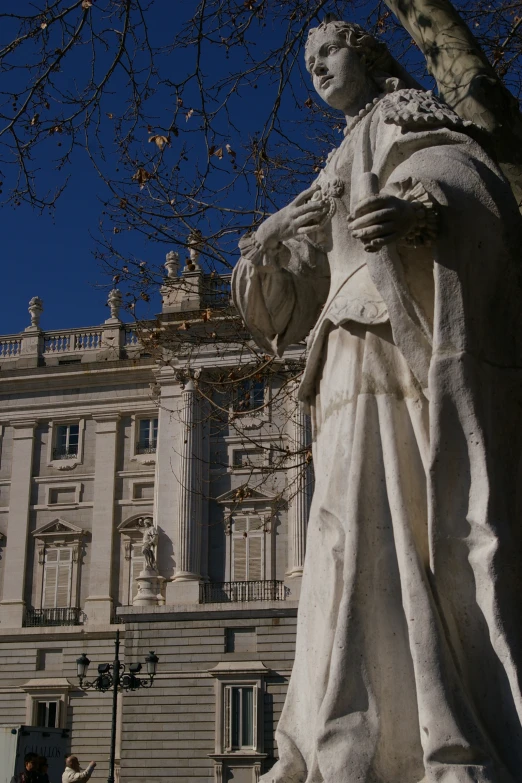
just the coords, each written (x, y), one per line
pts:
(465, 78)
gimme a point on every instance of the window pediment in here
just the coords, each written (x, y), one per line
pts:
(246, 495)
(59, 529)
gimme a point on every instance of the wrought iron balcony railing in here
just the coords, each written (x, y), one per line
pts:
(69, 615)
(63, 453)
(146, 447)
(224, 592)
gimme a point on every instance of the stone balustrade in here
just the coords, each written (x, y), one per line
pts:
(35, 347)
(73, 341)
(10, 346)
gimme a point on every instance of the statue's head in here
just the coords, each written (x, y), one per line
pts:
(345, 62)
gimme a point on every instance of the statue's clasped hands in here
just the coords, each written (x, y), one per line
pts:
(304, 213)
(378, 220)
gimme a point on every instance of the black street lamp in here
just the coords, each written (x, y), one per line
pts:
(113, 675)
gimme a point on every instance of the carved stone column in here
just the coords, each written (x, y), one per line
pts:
(188, 555)
(300, 485)
(190, 505)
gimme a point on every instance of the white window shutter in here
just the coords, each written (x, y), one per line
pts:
(255, 557)
(239, 544)
(240, 524)
(227, 723)
(50, 578)
(63, 582)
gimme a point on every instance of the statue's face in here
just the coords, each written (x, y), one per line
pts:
(338, 75)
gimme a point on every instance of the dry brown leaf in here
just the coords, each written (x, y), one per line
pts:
(43, 25)
(160, 141)
(259, 175)
(35, 119)
(219, 153)
(189, 114)
(230, 151)
(86, 3)
(141, 177)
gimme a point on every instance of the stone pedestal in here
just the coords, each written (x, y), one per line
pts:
(148, 588)
(183, 592)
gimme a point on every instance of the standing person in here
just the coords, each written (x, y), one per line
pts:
(30, 772)
(73, 772)
(404, 259)
(43, 770)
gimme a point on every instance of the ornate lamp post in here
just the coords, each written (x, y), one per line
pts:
(114, 676)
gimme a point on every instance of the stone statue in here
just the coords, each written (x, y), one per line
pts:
(399, 264)
(149, 542)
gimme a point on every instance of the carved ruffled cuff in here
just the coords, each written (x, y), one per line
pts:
(425, 229)
(250, 247)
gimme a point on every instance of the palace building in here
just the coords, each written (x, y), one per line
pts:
(99, 432)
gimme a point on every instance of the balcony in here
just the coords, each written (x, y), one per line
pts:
(241, 592)
(38, 618)
(146, 447)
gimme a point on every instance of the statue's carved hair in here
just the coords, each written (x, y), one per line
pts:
(384, 69)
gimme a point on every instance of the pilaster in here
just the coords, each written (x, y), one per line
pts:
(13, 604)
(299, 500)
(188, 555)
(98, 606)
(166, 484)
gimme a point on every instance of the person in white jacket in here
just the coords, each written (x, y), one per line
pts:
(73, 772)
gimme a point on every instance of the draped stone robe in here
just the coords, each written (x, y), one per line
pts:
(408, 646)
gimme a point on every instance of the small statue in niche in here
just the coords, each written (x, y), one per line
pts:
(149, 541)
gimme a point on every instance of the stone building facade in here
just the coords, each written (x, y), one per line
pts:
(96, 434)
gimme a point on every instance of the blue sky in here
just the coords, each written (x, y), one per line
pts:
(51, 256)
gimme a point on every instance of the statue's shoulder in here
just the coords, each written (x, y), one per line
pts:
(419, 110)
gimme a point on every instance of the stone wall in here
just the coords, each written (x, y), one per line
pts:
(169, 731)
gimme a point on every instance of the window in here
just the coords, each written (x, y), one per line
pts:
(249, 395)
(60, 550)
(148, 436)
(47, 714)
(57, 577)
(240, 716)
(66, 441)
(248, 545)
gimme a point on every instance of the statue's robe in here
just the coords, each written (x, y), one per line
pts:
(409, 648)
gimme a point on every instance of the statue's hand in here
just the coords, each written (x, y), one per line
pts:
(379, 220)
(295, 219)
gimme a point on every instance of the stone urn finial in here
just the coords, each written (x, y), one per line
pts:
(35, 311)
(115, 301)
(172, 264)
